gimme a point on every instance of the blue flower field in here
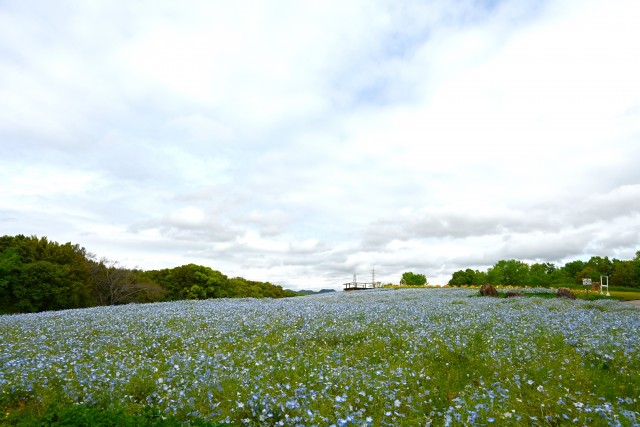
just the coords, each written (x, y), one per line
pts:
(377, 357)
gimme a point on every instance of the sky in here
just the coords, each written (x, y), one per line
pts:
(303, 142)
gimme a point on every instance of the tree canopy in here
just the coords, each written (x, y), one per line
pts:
(411, 279)
(37, 275)
(517, 273)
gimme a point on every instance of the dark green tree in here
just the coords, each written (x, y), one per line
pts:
(113, 285)
(587, 273)
(411, 279)
(509, 272)
(468, 277)
(573, 268)
(625, 273)
(604, 266)
(36, 275)
(539, 275)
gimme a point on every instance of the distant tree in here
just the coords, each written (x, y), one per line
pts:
(114, 285)
(481, 278)
(10, 266)
(573, 268)
(587, 273)
(603, 266)
(467, 277)
(560, 277)
(459, 278)
(539, 275)
(191, 281)
(509, 272)
(411, 279)
(37, 275)
(625, 273)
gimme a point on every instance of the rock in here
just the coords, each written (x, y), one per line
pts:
(512, 294)
(488, 291)
(565, 293)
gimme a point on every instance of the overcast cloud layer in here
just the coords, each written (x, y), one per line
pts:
(302, 142)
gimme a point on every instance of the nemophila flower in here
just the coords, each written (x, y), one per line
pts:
(186, 351)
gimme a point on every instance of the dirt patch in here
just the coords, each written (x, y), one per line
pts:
(635, 303)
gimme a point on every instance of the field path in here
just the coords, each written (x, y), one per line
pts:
(635, 303)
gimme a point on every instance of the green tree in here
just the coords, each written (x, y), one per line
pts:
(560, 277)
(481, 278)
(604, 266)
(179, 282)
(539, 276)
(10, 266)
(411, 279)
(468, 277)
(573, 268)
(459, 278)
(625, 273)
(587, 273)
(509, 272)
(37, 275)
(115, 285)
(40, 286)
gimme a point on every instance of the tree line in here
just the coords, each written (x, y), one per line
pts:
(39, 275)
(517, 273)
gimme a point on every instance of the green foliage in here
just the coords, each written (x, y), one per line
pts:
(573, 268)
(39, 275)
(198, 282)
(114, 285)
(82, 416)
(411, 279)
(468, 277)
(539, 276)
(587, 273)
(601, 266)
(625, 274)
(509, 273)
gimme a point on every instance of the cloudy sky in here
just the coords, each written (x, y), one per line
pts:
(301, 142)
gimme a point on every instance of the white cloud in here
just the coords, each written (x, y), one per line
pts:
(300, 142)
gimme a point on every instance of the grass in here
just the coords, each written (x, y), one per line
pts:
(380, 357)
(615, 293)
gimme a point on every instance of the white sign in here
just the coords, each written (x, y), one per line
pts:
(586, 282)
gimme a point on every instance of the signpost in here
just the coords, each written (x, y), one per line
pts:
(588, 283)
